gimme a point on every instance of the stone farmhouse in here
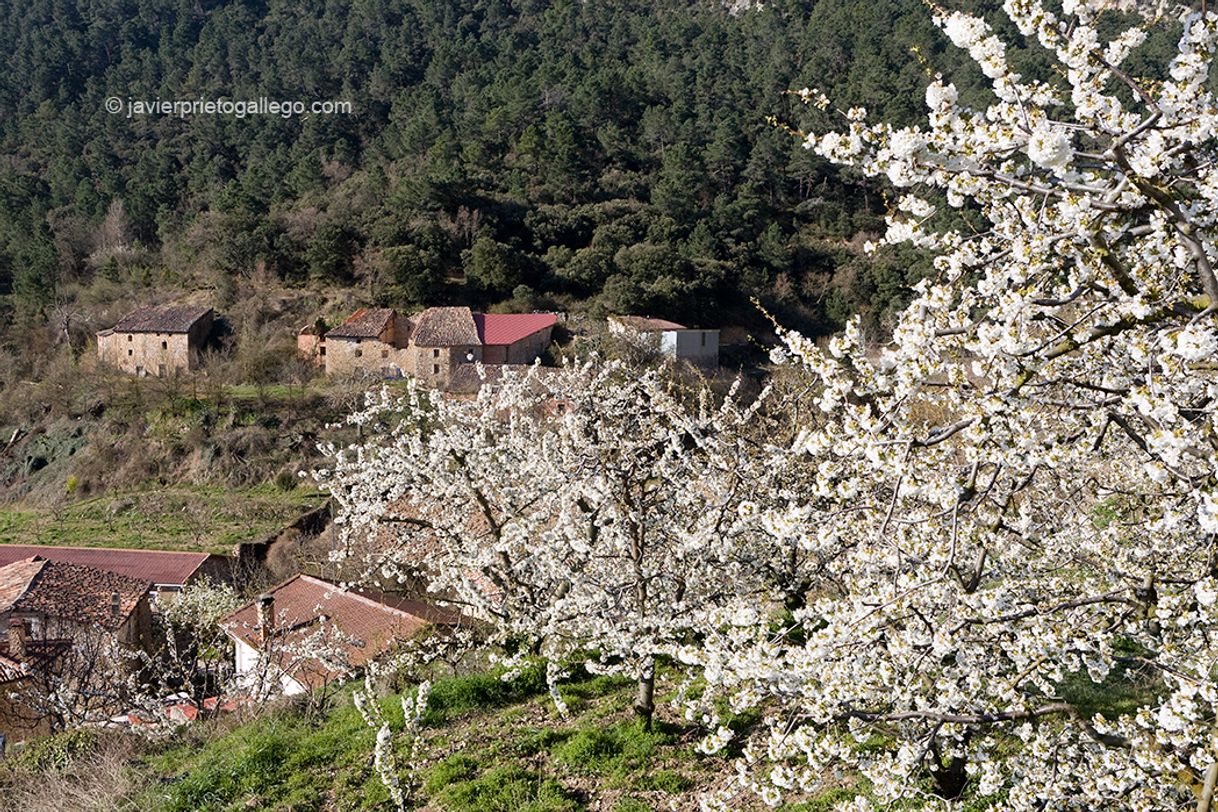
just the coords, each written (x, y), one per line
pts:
(47, 608)
(159, 341)
(54, 599)
(431, 346)
(667, 338)
(275, 635)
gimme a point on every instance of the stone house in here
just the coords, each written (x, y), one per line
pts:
(431, 346)
(48, 608)
(669, 339)
(159, 341)
(308, 632)
(55, 599)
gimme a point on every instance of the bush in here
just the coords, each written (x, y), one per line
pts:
(286, 481)
(58, 751)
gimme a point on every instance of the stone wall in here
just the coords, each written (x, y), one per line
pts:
(434, 365)
(158, 354)
(529, 349)
(351, 356)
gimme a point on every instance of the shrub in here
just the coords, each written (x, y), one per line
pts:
(58, 751)
(286, 481)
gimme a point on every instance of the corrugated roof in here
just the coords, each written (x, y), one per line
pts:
(446, 327)
(508, 328)
(645, 324)
(301, 603)
(69, 592)
(367, 322)
(155, 566)
(162, 319)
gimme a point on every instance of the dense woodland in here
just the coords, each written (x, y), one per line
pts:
(613, 156)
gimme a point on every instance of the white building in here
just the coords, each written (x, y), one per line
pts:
(698, 347)
(307, 632)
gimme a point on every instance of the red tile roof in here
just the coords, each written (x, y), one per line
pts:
(645, 324)
(69, 592)
(165, 319)
(375, 621)
(508, 328)
(367, 322)
(156, 566)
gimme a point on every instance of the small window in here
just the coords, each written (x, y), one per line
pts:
(435, 353)
(129, 336)
(139, 371)
(160, 370)
(359, 353)
(164, 345)
(704, 339)
(130, 353)
(384, 353)
(435, 369)
(321, 350)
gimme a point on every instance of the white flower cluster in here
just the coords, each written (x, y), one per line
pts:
(912, 565)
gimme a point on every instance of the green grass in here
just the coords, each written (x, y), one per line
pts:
(180, 517)
(281, 762)
(508, 788)
(619, 752)
(488, 745)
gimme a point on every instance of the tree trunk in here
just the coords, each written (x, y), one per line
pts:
(645, 701)
(1206, 802)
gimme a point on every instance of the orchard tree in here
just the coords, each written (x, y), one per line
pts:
(1013, 506)
(587, 512)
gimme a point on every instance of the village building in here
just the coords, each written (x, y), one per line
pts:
(159, 341)
(166, 572)
(431, 346)
(47, 608)
(55, 599)
(308, 632)
(669, 339)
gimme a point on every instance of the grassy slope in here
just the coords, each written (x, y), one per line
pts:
(179, 517)
(489, 746)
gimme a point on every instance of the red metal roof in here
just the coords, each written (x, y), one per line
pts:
(508, 328)
(156, 566)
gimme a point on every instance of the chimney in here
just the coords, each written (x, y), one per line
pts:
(266, 617)
(17, 639)
(116, 605)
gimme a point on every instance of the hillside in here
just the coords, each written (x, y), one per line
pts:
(614, 157)
(489, 746)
